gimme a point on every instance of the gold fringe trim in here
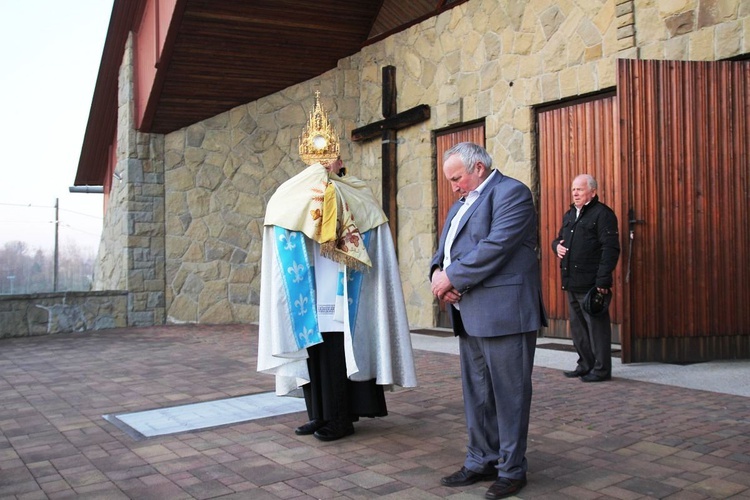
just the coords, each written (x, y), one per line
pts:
(328, 249)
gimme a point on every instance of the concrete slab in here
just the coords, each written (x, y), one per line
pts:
(185, 418)
(727, 377)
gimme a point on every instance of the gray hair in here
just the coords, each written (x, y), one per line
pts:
(470, 154)
(589, 180)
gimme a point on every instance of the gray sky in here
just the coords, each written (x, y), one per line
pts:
(49, 59)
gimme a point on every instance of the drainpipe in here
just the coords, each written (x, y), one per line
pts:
(86, 189)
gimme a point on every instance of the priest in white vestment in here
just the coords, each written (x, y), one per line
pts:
(332, 314)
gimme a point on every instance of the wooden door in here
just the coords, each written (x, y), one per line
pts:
(444, 140)
(685, 156)
(575, 138)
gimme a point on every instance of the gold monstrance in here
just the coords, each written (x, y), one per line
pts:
(319, 142)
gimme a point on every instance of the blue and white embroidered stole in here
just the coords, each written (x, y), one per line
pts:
(298, 277)
(299, 285)
(354, 288)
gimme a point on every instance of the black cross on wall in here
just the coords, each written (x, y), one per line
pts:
(386, 129)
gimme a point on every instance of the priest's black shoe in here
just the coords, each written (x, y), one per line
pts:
(465, 477)
(333, 430)
(504, 487)
(574, 374)
(309, 428)
(595, 378)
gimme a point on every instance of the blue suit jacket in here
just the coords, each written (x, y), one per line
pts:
(494, 262)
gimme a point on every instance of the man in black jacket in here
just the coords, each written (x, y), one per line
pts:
(588, 246)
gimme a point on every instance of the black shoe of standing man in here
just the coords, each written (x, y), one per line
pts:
(504, 487)
(465, 477)
(595, 378)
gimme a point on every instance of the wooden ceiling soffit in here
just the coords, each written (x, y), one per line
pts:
(228, 53)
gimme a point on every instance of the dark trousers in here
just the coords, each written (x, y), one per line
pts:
(497, 388)
(592, 337)
(330, 395)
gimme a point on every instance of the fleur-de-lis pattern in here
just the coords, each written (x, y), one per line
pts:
(308, 335)
(301, 304)
(288, 237)
(296, 271)
(297, 277)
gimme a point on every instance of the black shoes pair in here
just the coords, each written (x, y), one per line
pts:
(595, 378)
(465, 477)
(587, 377)
(326, 431)
(501, 488)
(309, 428)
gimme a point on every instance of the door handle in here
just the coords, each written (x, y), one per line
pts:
(632, 222)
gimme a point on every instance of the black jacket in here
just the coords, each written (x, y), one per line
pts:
(593, 244)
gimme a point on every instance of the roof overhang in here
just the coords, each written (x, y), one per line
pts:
(214, 55)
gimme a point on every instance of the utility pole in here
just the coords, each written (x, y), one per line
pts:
(57, 231)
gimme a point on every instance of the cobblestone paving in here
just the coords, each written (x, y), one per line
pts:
(622, 439)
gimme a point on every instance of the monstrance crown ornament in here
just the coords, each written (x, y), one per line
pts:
(319, 142)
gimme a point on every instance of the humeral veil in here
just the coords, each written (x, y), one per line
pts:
(339, 218)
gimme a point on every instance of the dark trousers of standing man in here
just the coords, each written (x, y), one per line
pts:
(592, 338)
(497, 389)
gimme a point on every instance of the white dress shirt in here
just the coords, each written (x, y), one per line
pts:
(466, 203)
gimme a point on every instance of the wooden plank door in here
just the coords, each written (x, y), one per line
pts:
(444, 140)
(685, 156)
(575, 138)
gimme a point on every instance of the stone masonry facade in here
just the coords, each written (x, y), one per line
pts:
(131, 253)
(183, 228)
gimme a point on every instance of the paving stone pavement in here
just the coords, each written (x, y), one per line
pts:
(624, 439)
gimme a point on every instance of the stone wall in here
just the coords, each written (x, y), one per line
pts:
(219, 176)
(497, 60)
(694, 30)
(63, 312)
(491, 60)
(483, 60)
(131, 253)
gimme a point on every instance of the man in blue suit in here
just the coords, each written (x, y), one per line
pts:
(486, 269)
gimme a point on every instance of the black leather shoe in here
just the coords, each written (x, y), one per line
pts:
(574, 374)
(465, 477)
(333, 430)
(595, 378)
(309, 428)
(504, 487)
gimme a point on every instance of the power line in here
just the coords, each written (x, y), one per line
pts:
(27, 222)
(80, 213)
(44, 206)
(79, 230)
(25, 206)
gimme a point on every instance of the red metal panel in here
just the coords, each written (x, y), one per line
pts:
(685, 159)
(149, 43)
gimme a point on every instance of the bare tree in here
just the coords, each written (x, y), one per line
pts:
(22, 272)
